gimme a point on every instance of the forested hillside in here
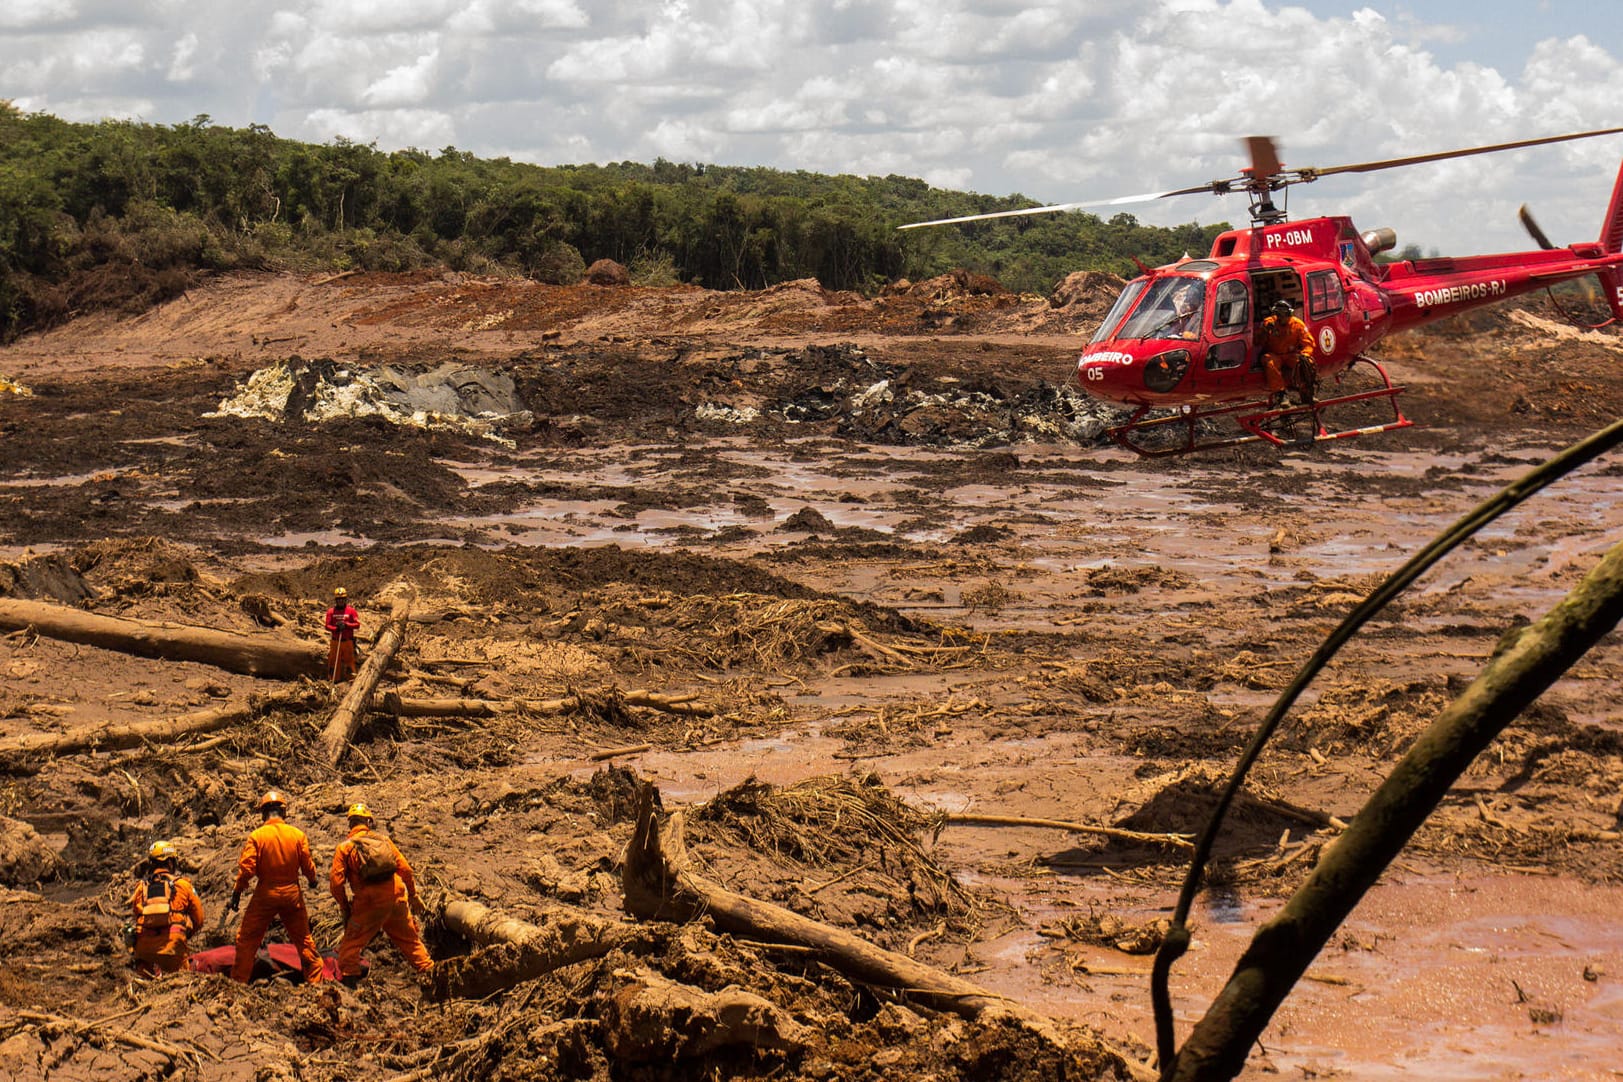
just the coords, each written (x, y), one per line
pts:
(125, 214)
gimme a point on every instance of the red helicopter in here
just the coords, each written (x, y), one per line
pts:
(1186, 336)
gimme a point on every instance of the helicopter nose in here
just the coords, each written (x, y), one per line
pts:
(1107, 376)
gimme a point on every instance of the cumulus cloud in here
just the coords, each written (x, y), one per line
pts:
(1057, 100)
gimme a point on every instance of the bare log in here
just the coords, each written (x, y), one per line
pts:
(516, 951)
(352, 711)
(615, 753)
(273, 656)
(1527, 661)
(1175, 841)
(134, 733)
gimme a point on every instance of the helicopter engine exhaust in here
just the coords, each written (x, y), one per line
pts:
(1383, 239)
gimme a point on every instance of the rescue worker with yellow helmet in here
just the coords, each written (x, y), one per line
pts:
(381, 897)
(167, 911)
(275, 855)
(342, 621)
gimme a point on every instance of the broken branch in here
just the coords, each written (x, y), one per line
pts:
(1174, 841)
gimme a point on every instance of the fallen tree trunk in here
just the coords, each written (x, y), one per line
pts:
(516, 951)
(658, 885)
(276, 657)
(1175, 841)
(352, 711)
(1528, 661)
(490, 708)
(133, 733)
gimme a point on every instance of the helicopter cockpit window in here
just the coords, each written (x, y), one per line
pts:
(1117, 310)
(1324, 296)
(1232, 310)
(1171, 308)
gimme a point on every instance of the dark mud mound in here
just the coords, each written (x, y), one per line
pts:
(1183, 803)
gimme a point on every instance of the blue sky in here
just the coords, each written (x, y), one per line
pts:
(1060, 100)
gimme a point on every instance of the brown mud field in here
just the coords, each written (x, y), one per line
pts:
(829, 574)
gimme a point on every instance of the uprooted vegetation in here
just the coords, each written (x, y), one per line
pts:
(912, 667)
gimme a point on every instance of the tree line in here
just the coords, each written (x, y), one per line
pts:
(120, 213)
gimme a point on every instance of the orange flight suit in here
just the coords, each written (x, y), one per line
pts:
(162, 948)
(384, 906)
(275, 854)
(1282, 345)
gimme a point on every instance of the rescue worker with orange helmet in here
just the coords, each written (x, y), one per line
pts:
(167, 911)
(382, 896)
(275, 854)
(1287, 353)
(342, 622)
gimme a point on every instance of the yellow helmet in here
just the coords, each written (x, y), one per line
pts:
(359, 810)
(162, 851)
(275, 797)
(340, 593)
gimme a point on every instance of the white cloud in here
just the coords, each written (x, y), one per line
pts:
(389, 128)
(181, 59)
(32, 14)
(408, 84)
(1059, 100)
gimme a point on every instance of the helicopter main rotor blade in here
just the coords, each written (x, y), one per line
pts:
(1057, 207)
(1266, 173)
(1418, 159)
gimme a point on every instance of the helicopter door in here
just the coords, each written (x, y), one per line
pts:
(1231, 336)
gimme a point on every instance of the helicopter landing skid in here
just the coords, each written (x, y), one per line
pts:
(1260, 421)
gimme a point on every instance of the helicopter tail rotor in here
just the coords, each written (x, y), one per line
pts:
(1595, 296)
(1538, 235)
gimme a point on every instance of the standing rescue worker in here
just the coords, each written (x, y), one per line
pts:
(167, 912)
(384, 900)
(275, 854)
(342, 623)
(1287, 354)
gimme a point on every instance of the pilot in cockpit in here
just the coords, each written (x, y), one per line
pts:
(1185, 321)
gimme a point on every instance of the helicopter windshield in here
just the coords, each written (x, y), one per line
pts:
(1171, 309)
(1117, 310)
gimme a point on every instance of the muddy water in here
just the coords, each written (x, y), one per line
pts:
(1181, 520)
(1479, 977)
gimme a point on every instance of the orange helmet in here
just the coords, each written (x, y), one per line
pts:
(274, 798)
(359, 810)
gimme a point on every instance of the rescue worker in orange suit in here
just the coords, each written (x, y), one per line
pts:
(167, 912)
(384, 897)
(1287, 354)
(342, 623)
(275, 854)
